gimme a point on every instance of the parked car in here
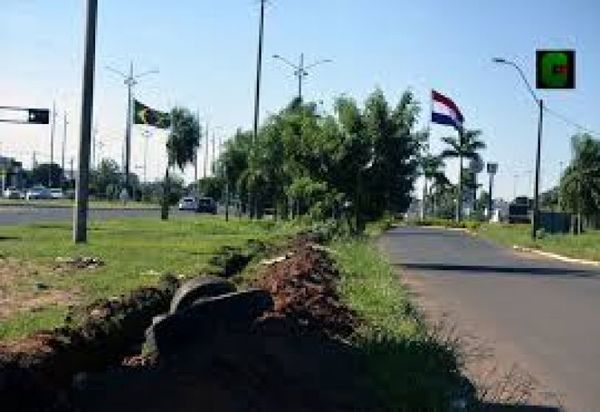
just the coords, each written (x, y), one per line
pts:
(207, 205)
(57, 193)
(38, 192)
(188, 203)
(12, 193)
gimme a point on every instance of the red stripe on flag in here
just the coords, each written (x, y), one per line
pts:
(438, 97)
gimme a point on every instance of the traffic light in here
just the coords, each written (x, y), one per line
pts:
(38, 116)
(555, 69)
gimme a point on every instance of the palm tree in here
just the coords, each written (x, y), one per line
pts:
(184, 139)
(432, 169)
(466, 146)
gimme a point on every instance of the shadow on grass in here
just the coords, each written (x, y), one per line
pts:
(416, 374)
(6, 238)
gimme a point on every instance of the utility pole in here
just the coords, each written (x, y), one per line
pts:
(259, 59)
(52, 129)
(206, 133)
(300, 70)
(87, 109)
(212, 167)
(64, 144)
(130, 80)
(536, 193)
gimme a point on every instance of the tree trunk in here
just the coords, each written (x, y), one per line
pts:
(164, 211)
(460, 190)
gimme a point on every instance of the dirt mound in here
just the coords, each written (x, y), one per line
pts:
(303, 288)
(289, 359)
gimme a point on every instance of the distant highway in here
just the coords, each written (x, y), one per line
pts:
(16, 215)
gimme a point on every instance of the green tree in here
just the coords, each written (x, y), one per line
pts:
(580, 183)
(466, 146)
(41, 172)
(432, 170)
(107, 175)
(183, 140)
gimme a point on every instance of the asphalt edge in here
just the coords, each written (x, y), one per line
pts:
(556, 256)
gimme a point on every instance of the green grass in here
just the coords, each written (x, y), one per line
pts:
(585, 246)
(411, 368)
(136, 252)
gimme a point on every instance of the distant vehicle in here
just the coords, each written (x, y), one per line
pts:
(37, 193)
(12, 193)
(188, 203)
(207, 205)
(57, 194)
(519, 211)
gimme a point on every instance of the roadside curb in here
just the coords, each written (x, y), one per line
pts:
(556, 256)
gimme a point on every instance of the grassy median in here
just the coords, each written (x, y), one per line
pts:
(411, 367)
(584, 246)
(40, 275)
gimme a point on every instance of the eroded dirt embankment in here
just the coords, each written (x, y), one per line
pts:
(293, 357)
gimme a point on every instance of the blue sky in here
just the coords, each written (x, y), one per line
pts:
(205, 51)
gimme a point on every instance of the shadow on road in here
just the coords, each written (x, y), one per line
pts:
(524, 270)
(492, 407)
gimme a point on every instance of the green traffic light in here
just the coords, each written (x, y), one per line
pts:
(555, 69)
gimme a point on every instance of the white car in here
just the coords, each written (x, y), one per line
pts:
(57, 194)
(188, 203)
(12, 193)
(38, 192)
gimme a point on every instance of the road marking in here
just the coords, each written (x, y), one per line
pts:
(556, 256)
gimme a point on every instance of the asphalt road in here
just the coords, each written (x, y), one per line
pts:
(539, 314)
(15, 215)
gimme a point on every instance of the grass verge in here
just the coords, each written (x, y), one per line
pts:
(36, 289)
(411, 367)
(584, 246)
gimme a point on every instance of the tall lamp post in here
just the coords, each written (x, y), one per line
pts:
(300, 70)
(130, 80)
(540, 103)
(85, 135)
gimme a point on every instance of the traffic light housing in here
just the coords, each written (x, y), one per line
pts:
(38, 116)
(555, 69)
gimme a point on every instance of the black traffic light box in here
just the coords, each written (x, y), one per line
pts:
(38, 116)
(555, 69)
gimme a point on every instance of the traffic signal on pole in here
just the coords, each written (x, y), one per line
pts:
(555, 69)
(38, 116)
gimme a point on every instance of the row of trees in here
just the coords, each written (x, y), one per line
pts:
(358, 160)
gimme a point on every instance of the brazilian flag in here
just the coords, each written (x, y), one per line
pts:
(150, 117)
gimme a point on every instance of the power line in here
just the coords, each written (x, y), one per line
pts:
(571, 122)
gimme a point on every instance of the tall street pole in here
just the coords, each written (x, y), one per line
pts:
(64, 144)
(130, 82)
(87, 108)
(259, 59)
(52, 129)
(206, 144)
(300, 69)
(540, 104)
(536, 193)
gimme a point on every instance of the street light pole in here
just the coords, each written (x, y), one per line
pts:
(52, 129)
(540, 103)
(300, 70)
(87, 106)
(130, 80)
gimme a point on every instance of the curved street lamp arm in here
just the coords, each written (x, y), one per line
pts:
(286, 61)
(317, 63)
(523, 77)
(155, 71)
(116, 71)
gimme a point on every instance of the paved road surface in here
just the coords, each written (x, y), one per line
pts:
(13, 215)
(543, 315)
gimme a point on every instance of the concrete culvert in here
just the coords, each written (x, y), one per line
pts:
(198, 288)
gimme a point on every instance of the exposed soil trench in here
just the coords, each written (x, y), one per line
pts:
(293, 357)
